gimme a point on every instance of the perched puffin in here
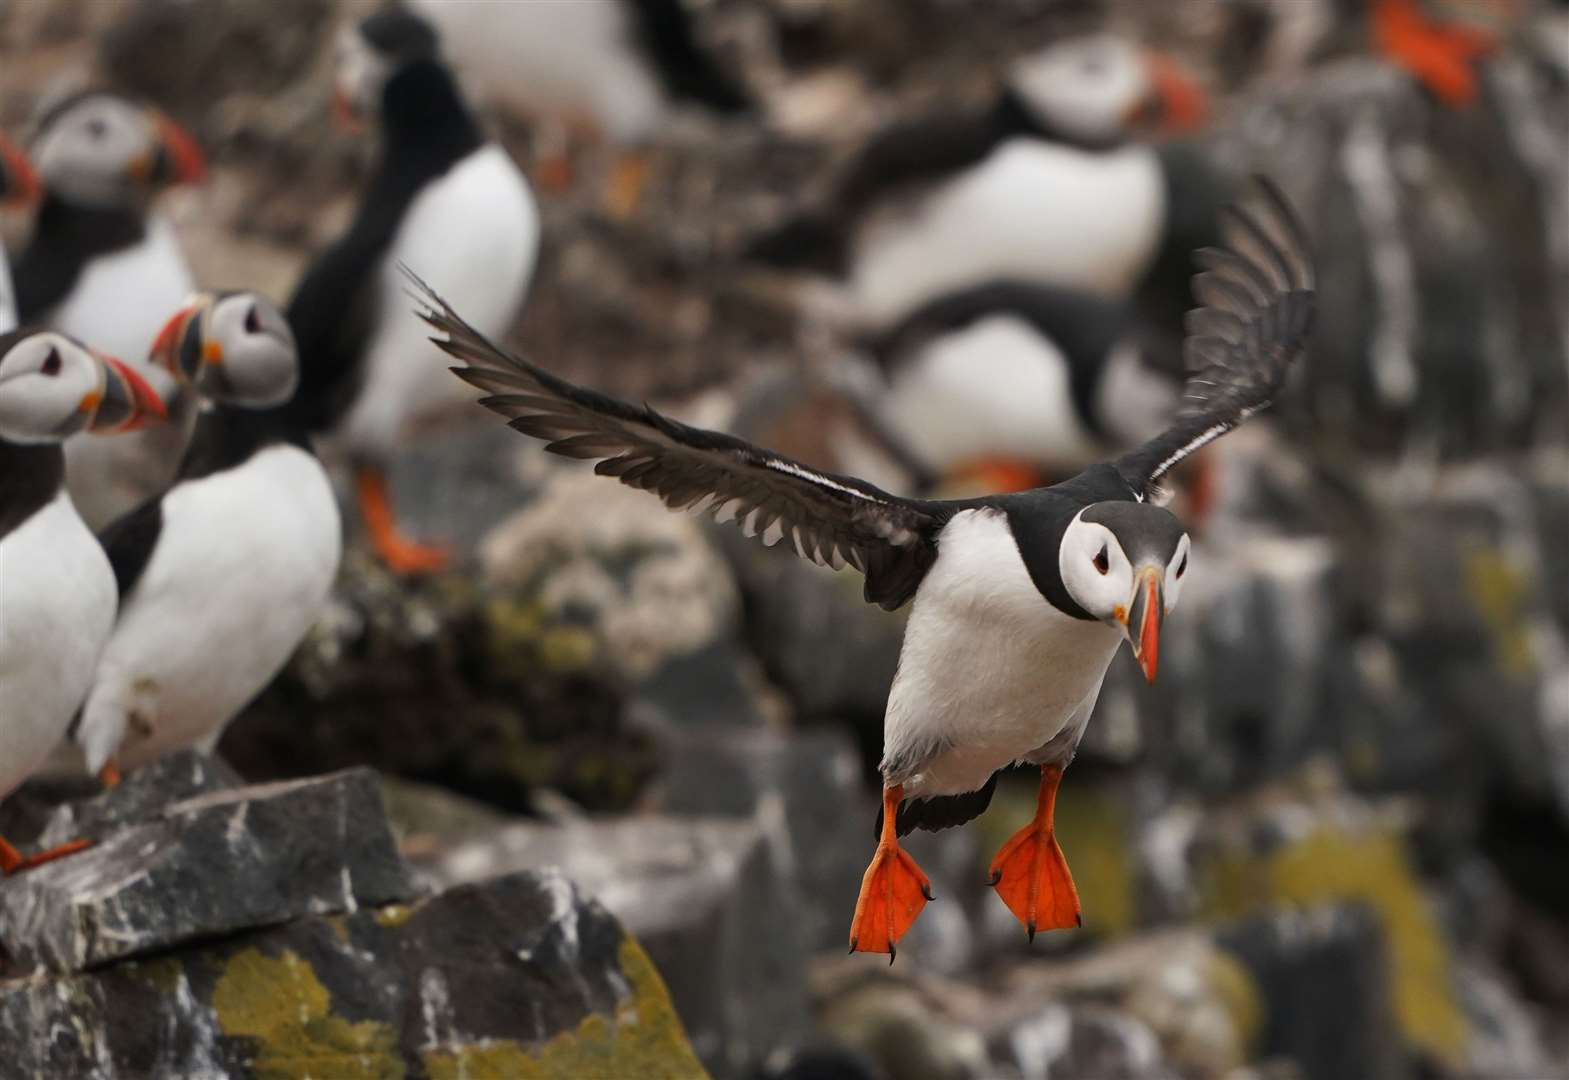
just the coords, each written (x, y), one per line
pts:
(1008, 383)
(1048, 185)
(443, 198)
(617, 67)
(1019, 600)
(104, 268)
(220, 576)
(57, 595)
(18, 186)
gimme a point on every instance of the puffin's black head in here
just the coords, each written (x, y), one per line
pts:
(100, 149)
(375, 50)
(233, 347)
(18, 182)
(1124, 563)
(52, 386)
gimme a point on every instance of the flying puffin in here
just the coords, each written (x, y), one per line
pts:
(1018, 601)
(443, 198)
(57, 596)
(220, 576)
(1011, 382)
(1047, 184)
(102, 267)
(18, 186)
(617, 67)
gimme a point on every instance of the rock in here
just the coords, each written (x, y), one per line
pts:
(1085, 1040)
(1507, 1034)
(519, 977)
(209, 865)
(701, 896)
(142, 796)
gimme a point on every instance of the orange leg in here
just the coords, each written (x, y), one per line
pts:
(396, 550)
(109, 775)
(1030, 873)
(999, 475)
(628, 177)
(13, 861)
(1203, 487)
(893, 892)
(1441, 56)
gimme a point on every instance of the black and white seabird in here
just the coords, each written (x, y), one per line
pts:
(222, 575)
(1019, 600)
(102, 266)
(1009, 383)
(57, 595)
(443, 198)
(18, 186)
(1048, 184)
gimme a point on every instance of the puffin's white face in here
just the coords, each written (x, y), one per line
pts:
(52, 387)
(106, 151)
(1099, 88)
(1133, 594)
(360, 74)
(233, 347)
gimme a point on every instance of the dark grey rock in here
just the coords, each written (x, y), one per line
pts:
(703, 898)
(214, 864)
(521, 976)
(142, 796)
(1085, 1040)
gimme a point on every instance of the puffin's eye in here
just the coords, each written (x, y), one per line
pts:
(1182, 567)
(96, 128)
(252, 321)
(51, 364)
(1103, 561)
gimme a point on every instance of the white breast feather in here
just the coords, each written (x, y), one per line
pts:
(1032, 211)
(7, 297)
(57, 603)
(241, 569)
(989, 668)
(473, 236)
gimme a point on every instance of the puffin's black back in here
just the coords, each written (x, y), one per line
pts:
(426, 129)
(30, 476)
(65, 238)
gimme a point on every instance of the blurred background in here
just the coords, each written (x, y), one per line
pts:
(1331, 841)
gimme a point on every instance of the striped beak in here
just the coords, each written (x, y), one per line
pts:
(176, 158)
(127, 402)
(1145, 614)
(1176, 103)
(18, 182)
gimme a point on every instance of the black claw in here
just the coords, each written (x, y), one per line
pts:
(926, 891)
(1078, 917)
(893, 951)
(853, 943)
(1030, 927)
(995, 878)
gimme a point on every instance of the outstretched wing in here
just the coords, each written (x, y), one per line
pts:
(1257, 293)
(831, 519)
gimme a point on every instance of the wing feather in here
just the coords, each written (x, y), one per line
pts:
(831, 519)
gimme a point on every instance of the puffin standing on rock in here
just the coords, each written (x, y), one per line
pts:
(1019, 600)
(18, 186)
(102, 267)
(1047, 184)
(57, 595)
(443, 198)
(221, 575)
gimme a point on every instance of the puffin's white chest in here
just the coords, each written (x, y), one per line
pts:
(1031, 211)
(57, 603)
(990, 670)
(576, 57)
(243, 564)
(996, 387)
(472, 235)
(7, 297)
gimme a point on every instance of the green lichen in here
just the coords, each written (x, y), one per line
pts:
(1331, 865)
(1235, 986)
(162, 975)
(281, 1004)
(644, 1040)
(1501, 592)
(394, 915)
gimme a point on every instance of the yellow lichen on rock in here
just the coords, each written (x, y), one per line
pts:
(645, 1040)
(280, 1003)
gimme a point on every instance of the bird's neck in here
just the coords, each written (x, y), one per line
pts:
(426, 126)
(226, 437)
(86, 229)
(1012, 116)
(30, 477)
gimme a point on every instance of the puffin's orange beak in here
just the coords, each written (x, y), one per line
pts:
(127, 403)
(179, 347)
(19, 184)
(177, 159)
(1176, 103)
(345, 117)
(1145, 615)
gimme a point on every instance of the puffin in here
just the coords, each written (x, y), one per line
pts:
(443, 197)
(1047, 183)
(18, 187)
(220, 576)
(57, 594)
(1018, 602)
(1009, 382)
(614, 67)
(102, 266)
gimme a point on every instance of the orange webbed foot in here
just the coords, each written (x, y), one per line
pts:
(628, 178)
(109, 776)
(397, 552)
(1442, 57)
(1031, 874)
(893, 891)
(14, 862)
